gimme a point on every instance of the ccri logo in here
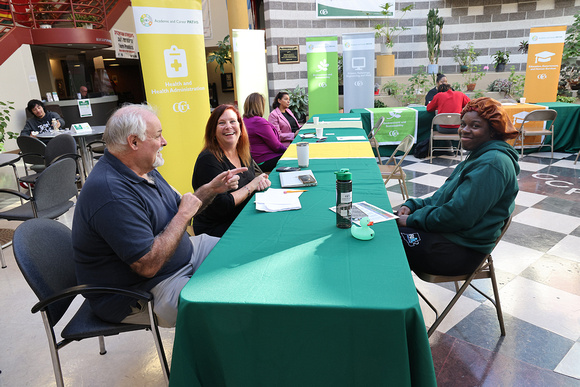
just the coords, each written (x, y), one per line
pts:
(180, 107)
(393, 133)
(146, 20)
(324, 11)
(358, 83)
(542, 76)
(322, 85)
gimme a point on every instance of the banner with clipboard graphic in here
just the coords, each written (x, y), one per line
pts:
(172, 50)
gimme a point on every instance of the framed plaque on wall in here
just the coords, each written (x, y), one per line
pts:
(288, 54)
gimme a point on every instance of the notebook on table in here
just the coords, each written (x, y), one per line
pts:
(304, 178)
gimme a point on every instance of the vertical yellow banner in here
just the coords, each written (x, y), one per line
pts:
(172, 50)
(544, 58)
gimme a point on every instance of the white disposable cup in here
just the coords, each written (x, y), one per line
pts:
(319, 132)
(315, 120)
(302, 152)
(522, 100)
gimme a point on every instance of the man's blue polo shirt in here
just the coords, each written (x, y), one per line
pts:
(117, 217)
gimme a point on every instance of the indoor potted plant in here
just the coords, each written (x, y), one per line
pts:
(471, 76)
(434, 35)
(222, 55)
(524, 45)
(5, 110)
(298, 103)
(387, 32)
(572, 41)
(464, 56)
(500, 59)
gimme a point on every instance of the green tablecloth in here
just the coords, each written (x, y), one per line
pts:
(566, 128)
(334, 116)
(289, 299)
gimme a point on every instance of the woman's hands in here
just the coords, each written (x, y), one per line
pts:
(403, 213)
(260, 182)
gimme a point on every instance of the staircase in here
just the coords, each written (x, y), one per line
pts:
(57, 22)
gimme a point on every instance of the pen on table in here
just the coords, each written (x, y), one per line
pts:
(296, 190)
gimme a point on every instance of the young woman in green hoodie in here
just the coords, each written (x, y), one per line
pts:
(450, 232)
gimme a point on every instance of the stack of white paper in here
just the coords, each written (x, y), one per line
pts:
(274, 200)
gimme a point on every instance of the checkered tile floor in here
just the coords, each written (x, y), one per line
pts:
(538, 268)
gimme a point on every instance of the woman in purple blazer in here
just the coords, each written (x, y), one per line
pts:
(283, 119)
(265, 146)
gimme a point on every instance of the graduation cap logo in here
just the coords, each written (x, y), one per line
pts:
(544, 56)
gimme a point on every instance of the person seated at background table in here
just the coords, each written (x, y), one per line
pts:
(283, 119)
(83, 92)
(447, 101)
(451, 232)
(226, 146)
(441, 79)
(265, 146)
(41, 121)
(129, 224)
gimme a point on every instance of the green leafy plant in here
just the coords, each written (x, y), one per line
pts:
(388, 32)
(523, 48)
(478, 94)
(512, 87)
(499, 85)
(411, 93)
(572, 42)
(393, 88)
(561, 98)
(340, 69)
(434, 35)
(5, 110)
(465, 56)
(501, 57)
(80, 17)
(570, 74)
(222, 55)
(298, 103)
(379, 103)
(472, 75)
(517, 83)
(456, 86)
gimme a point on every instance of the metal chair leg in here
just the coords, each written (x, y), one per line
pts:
(2, 260)
(102, 349)
(158, 343)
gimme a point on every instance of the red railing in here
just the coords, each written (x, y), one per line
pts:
(56, 14)
(59, 13)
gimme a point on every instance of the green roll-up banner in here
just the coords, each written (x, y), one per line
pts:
(322, 64)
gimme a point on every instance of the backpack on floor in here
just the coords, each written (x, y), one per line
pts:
(422, 149)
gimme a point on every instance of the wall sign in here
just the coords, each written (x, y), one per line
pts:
(288, 54)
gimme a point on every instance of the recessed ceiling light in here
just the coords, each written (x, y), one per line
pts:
(114, 64)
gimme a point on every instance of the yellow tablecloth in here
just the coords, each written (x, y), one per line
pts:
(325, 150)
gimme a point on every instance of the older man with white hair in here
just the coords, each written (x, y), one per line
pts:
(129, 224)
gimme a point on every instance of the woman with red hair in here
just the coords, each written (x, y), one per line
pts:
(451, 232)
(226, 146)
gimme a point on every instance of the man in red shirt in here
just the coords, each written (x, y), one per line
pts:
(447, 101)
